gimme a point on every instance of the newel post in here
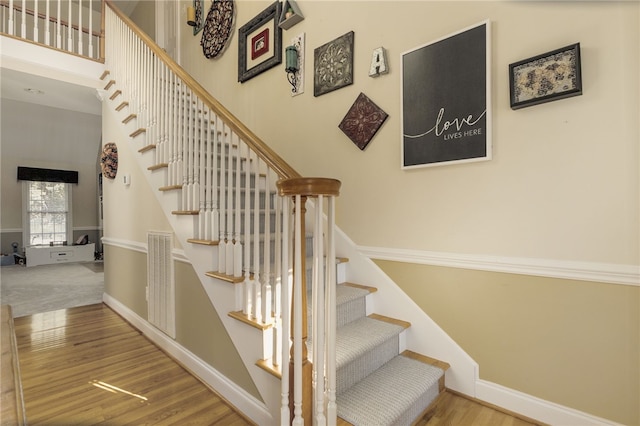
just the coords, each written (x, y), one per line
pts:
(311, 387)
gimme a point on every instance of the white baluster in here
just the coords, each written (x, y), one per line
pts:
(222, 248)
(90, 54)
(215, 212)
(332, 408)
(318, 315)
(36, 19)
(266, 280)
(69, 29)
(47, 24)
(80, 32)
(11, 28)
(277, 291)
(285, 412)
(297, 315)
(248, 284)
(237, 243)
(229, 205)
(58, 26)
(23, 20)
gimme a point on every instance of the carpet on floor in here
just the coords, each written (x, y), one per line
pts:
(46, 288)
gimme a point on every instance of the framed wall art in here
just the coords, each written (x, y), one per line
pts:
(260, 43)
(446, 100)
(198, 21)
(333, 65)
(548, 77)
(218, 28)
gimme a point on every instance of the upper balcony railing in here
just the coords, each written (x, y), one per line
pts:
(72, 26)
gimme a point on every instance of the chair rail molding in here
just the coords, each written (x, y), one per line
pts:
(552, 268)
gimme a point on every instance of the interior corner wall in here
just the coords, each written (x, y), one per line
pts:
(58, 139)
(563, 184)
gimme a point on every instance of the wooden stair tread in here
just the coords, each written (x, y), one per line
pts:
(138, 132)
(109, 84)
(203, 242)
(158, 166)
(186, 212)
(115, 94)
(169, 188)
(146, 148)
(363, 287)
(240, 316)
(122, 105)
(401, 323)
(224, 277)
(129, 117)
(105, 74)
(426, 359)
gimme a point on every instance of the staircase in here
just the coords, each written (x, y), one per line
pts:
(215, 175)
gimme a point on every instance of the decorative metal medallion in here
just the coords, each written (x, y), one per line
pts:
(333, 67)
(197, 4)
(109, 160)
(217, 28)
(363, 120)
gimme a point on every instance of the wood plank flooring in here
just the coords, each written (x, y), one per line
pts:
(88, 366)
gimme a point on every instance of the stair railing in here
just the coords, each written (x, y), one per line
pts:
(229, 182)
(61, 25)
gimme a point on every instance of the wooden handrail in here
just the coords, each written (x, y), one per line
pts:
(51, 18)
(268, 155)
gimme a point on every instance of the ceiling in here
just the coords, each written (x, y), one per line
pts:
(30, 88)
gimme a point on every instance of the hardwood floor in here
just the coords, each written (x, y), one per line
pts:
(87, 365)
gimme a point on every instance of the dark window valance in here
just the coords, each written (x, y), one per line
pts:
(47, 175)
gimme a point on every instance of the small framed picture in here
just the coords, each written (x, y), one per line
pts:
(260, 43)
(548, 77)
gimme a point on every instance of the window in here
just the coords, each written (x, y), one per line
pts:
(47, 213)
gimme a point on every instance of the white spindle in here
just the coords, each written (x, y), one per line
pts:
(266, 249)
(23, 20)
(58, 27)
(237, 244)
(90, 53)
(332, 408)
(222, 252)
(36, 20)
(257, 286)
(80, 32)
(297, 314)
(11, 29)
(277, 291)
(248, 284)
(47, 24)
(215, 211)
(285, 413)
(318, 289)
(228, 247)
(69, 29)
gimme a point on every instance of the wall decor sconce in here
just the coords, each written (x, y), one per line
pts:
(294, 65)
(191, 16)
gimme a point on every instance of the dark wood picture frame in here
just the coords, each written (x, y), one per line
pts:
(272, 53)
(547, 77)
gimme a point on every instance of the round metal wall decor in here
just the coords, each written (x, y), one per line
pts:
(217, 28)
(109, 160)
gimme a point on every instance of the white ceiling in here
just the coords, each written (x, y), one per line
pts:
(15, 85)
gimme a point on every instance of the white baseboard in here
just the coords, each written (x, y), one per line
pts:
(535, 408)
(238, 397)
(572, 270)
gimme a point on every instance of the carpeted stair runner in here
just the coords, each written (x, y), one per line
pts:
(376, 386)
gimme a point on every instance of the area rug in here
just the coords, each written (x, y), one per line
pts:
(47, 288)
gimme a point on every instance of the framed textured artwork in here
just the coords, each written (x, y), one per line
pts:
(446, 100)
(260, 43)
(362, 121)
(217, 28)
(109, 160)
(197, 6)
(333, 65)
(548, 77)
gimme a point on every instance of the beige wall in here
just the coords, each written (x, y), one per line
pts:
(571, 342)
(198, 327)
(563, 184)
